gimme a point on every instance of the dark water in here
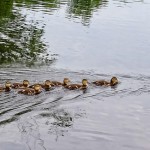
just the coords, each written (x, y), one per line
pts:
(78, 39)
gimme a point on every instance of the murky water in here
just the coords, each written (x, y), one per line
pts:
(96, 39)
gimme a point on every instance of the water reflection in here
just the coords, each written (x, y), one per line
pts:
(45, 5)
(129, 1)
(5, 8)
(20, 41)
(84, 9)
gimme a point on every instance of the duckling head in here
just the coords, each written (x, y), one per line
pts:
(113, 81)
(25, 83)
(7, 84)
(84, 82)
(66, 81)
(48, 83)
(37, 88)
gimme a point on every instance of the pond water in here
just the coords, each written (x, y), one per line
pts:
(93, 39)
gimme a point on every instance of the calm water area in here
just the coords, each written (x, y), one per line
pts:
(92, 39)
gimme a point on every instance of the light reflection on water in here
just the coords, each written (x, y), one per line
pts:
(99, 38)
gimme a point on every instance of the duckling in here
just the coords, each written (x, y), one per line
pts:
(29, 91)
(7, 87)
(25, 84)
(56, 83)
(82, 86)
(113, 81)
(46, 85)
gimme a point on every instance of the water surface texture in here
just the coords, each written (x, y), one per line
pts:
(92, 39)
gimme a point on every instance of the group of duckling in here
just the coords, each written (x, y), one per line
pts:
(27, 89)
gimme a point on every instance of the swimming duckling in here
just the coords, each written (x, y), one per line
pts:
(46, 85)
(29, 91)
(25, 84)
(56, 83)
(113, 81)
(7, 87)
(82, 86)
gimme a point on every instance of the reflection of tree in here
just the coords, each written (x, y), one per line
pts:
(84, 8)
(44, 3)
(20, 42)
(5, 8)
(129, 1)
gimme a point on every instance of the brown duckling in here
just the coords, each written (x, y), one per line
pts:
(25, 84)
(113, 81)
(31, 91)
(7, 87)
(82, 86)
(56, 83)
(46, 85)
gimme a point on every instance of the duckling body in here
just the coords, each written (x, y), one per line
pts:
(31, 91)
(56, 83)
(101, 83)
(113, 82)
(27, 91)
(25, 84)
(82, 86)
(6, 88)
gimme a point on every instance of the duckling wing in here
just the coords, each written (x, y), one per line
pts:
(101, 83)
(32, 86)
(27, 91)
(55, 83)
(16, 85)
(73, 86)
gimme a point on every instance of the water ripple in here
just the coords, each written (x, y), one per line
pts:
(56, 112)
